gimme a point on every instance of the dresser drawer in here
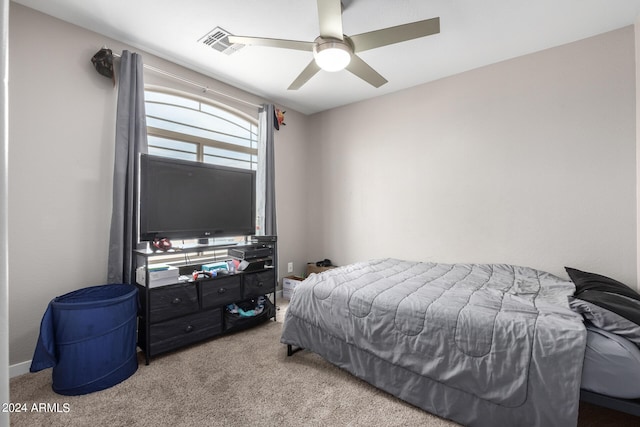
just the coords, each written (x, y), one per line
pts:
(171, 301)
(220, 291)
(260, 283)
(185, 330)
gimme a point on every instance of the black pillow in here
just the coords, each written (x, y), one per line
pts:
(606, 293)
(590, 281)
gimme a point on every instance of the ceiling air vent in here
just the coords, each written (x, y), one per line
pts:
(218, 39)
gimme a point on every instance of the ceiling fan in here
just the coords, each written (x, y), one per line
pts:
(334, 51)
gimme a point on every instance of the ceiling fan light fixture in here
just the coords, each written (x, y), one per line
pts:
(332, 55)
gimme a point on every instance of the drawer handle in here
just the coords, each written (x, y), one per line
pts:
(176, 301)
(260, 284)
(222, 290)
(188, 329)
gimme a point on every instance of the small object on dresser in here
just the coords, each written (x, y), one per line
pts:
(159, 275)
(204, 274)
(220, 267)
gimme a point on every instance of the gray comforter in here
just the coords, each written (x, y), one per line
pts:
(479, 344)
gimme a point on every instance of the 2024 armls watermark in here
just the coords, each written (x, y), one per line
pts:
(38, 407)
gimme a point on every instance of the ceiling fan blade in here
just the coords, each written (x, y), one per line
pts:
(361, 69)
(330, 18)
(304, 76)
(260, 41)
(397, 34)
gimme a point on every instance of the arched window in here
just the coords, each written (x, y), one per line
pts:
(191, 128)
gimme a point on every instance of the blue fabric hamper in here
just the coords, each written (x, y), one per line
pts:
(88, 336)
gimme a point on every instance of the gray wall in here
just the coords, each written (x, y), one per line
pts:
(637, 55)
(529, 161)
(61, 164)
(4, 145)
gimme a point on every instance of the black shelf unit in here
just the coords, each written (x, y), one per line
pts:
(175, 315)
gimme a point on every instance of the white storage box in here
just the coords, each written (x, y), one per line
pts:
(157, 276)
(289, 283)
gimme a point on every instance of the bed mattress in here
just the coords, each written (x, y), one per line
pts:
(479, 344)
(611, 365)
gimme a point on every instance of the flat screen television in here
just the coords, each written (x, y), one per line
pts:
(193, 200)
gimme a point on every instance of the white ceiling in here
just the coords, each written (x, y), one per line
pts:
(473, 34)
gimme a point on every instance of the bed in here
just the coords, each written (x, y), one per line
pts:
(480, 344)
(611, 371)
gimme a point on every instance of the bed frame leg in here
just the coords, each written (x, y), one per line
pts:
(291, 350)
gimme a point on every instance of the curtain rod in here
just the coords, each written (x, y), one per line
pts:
(205, 89)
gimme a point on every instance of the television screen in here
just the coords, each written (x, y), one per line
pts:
(184, 199)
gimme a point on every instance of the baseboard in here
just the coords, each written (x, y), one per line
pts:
(19, 369)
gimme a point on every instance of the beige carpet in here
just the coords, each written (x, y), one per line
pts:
(244, 379)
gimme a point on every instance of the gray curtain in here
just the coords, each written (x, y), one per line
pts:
(266, 185)
(131, 140)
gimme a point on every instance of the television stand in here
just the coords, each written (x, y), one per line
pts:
(181, 313)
